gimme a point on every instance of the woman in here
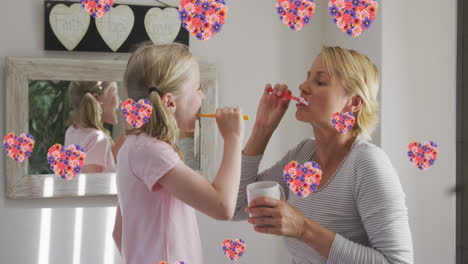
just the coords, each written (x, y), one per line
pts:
(358, 213)
(93, 103)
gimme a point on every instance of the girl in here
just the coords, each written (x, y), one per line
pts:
(157, 192)
(93, 104)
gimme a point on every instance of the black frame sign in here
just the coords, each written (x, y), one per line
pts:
(118, 32)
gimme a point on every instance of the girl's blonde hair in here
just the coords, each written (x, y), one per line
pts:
(166, 68)
(359, 76)
(86, 109)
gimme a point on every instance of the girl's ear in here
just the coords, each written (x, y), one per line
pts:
(168, 100)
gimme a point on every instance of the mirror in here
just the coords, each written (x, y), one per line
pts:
(45, 86)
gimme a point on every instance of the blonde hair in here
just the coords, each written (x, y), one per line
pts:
(166, 68)
(86, 109)
(359, 76)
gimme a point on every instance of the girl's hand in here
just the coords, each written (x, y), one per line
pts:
(230, 122)
(272, 108)
(277, 216)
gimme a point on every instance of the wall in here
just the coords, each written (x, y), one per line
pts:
(418, 103)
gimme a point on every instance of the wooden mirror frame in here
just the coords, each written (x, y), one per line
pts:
(19, 71)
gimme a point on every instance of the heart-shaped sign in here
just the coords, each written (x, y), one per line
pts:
(66, 162)
(136, 113)
(162, 26)
(97, 8)
(203, 19)
(302, 180)
(343, 122)
(116, 26)
(233, 249)
(423, 156)
(353, 16)
(295, 13)
(69, 24)
(19, 147)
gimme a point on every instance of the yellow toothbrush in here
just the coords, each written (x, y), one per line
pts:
(246, 117)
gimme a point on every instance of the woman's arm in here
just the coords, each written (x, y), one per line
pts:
(381, 204)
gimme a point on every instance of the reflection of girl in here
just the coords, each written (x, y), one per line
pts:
(94, 103)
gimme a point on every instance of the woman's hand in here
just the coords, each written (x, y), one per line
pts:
(272, 108)
(278, 217)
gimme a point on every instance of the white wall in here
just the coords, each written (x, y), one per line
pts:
(418, 103)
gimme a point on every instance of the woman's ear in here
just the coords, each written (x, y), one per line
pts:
(356, 103)
(168, 100)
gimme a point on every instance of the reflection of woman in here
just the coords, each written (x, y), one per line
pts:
(93, 104)
(358, 214)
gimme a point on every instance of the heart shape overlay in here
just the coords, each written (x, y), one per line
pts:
(302, 180)
(165, 262)
(136, 113)
(66, 162)
(343, 122)
(203, 18)
(423, 156)
(353, 16)
(97, 8)
(233, 249)
(295, 13)
(19, 147)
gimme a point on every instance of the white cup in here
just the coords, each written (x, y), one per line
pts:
(264, 189)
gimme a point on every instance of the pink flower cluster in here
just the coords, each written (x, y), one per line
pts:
(97, 8)
(353, 16)
(302, 180)
(136, 113)
(18, 148)
(343, 122)
(233, 249)
(203, 18)
(295, 13)
(423, 155)
(66, 162)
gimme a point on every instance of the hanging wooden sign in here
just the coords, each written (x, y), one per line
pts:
(69, 27)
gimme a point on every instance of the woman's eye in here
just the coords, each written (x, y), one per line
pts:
(320, 83)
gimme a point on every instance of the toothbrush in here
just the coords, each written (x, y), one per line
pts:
(246, 117)
(290, 97)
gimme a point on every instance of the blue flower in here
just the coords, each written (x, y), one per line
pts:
(216, 27)
(333, 10)
(279, 10)
(183, 14)
(68, 153)
(50, 159)
(138, 106)
(77, 169)
(293, 26)
(366, 23)
(349, 32)
(306, 20)
(199, 36)
(107, 7)
(356, 3)
(205, 6)
(297, 3)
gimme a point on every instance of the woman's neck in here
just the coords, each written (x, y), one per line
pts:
(332, 146)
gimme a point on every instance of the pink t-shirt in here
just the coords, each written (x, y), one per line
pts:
(156, 226)
(96, 144)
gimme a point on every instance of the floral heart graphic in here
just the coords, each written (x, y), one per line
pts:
(302, 180)
(18, 147)
(353, 16)
(66, 162)
(136, 113)
(97, 8)
(233, 249)
(295, 13)
(343, 122)
(423, 155)
(203, 18)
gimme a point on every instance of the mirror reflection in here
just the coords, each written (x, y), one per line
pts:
(79, 112)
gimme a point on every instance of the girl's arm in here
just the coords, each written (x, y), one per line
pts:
(217, 199)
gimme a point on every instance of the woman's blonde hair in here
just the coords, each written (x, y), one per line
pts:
(166, 68)
(359, 76)
(86, 109)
